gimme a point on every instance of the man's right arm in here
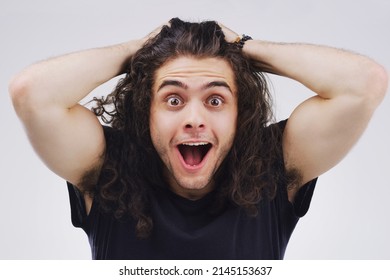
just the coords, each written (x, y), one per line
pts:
(67, 136)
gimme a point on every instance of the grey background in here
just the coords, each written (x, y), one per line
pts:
(349, 215)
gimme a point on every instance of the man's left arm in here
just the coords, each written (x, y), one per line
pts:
(322, 129)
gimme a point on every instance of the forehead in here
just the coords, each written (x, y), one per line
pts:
(195, 69)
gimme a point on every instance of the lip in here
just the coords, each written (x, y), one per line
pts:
(193, 168)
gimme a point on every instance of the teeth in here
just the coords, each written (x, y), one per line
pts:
(196, 144)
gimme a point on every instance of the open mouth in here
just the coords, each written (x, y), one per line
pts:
(194, 153)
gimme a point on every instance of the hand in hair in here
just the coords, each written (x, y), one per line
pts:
(155, 32)
(230, 35)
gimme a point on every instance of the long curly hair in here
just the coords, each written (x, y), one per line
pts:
(250, 172)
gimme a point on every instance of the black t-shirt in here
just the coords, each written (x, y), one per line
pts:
(185, 229)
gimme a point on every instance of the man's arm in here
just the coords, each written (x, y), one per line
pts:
(322, 129)
(67, 136)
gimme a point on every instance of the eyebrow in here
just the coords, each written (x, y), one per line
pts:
(175, 83)
(182, 85)
(217, 84)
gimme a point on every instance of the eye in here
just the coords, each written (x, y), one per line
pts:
(174, 101)
(215, 101)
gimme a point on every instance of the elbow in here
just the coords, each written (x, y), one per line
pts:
(376, 85)
(20, 88)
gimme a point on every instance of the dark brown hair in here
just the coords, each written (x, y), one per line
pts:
(250, 172)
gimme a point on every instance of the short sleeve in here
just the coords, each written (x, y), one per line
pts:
(304, 195)
(77, 207)
(303, 198)
(76, 198)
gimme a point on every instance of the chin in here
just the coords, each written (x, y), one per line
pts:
(192, 188)
(192, 184)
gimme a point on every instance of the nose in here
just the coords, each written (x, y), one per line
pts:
(195, 117)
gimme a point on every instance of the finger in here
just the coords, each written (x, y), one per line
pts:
(230, 35)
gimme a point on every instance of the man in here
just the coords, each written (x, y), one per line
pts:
(191, 166)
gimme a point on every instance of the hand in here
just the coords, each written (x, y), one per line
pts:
(230, 35)
(154, 32)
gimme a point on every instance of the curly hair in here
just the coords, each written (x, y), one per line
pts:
(250, 172)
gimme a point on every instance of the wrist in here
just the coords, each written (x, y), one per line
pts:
(262, 53)
(241, 40)
(132, 46)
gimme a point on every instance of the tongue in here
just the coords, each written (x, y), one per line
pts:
(192, 155)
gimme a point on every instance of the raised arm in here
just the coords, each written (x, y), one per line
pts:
(322, 129)
(67, 136)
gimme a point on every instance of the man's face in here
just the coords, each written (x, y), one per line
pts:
(193, 118)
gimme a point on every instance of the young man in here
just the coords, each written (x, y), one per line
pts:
(191, 166)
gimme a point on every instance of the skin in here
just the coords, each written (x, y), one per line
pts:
(347, 88)
(194, 102)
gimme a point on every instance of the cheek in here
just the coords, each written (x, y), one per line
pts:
(227, 123)
(154, 129)
(160, 128)
(224, 128)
